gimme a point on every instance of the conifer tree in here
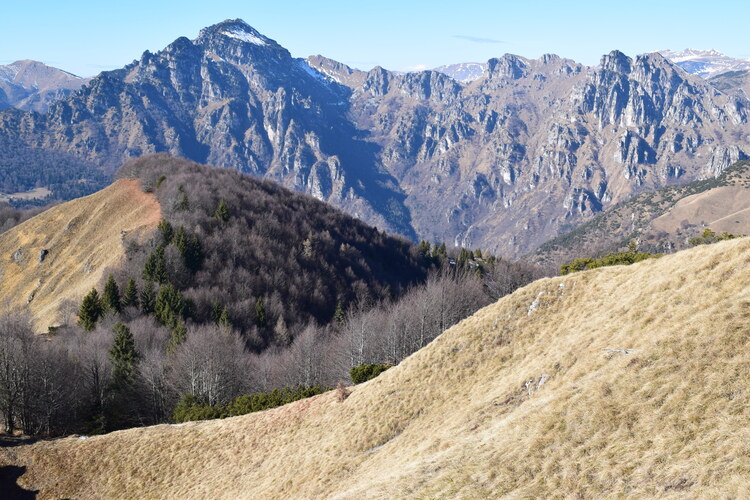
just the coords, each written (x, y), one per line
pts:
(169, 305)
(121, 391)
(260, 313)
(424, 248)
(166, 230)
(222, 211)
(155, 268)
(224, 320)
(123, 355)
(183, 204)
(338, 315)
(216, 311)
(148, 298)
(111, 296)
(90, 311)
(179, 332)
(130, 298)
(180, 240)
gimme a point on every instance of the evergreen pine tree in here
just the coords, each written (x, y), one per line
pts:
(224, 320)
(155, 268)
(216, 311)
(111, 296)
(193, 254)
(338, 315)
(260, 313)
(167, 232)
(121, 391)
(424, 248)
(180, 240)
(90, 311)
(130, 299)
(222, 211)
(169, 305)
(183, 204)
(123, 355)
(179, 332)
(148, 298)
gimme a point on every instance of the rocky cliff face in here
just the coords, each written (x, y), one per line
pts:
(536, 146)
(504, 162)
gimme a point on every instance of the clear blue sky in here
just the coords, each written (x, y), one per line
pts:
(85, 37)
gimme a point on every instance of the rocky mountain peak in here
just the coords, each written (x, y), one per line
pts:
(234, 37)
(616, 62)
(509, 66)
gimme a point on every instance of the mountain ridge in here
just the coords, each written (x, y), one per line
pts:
(504, 163)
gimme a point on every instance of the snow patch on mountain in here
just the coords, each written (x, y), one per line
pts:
(245, 36)
(463, 72)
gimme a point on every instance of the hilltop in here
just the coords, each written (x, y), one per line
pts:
(56, 257)
(296, 255)
(661, 221)
(617, 381)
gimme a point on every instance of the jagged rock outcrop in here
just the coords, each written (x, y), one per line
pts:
(504, 162)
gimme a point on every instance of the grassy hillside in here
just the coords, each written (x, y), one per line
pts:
(81, 238)
(622, 381)
(663, 220)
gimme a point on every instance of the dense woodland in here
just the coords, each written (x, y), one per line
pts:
(244, 288)
(24, 168)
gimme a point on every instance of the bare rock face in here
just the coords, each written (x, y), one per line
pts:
(503, 162)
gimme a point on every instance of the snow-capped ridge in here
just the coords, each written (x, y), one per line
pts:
(705, 63)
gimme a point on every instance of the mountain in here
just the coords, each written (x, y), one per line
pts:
(34, 86)
(622, 381)
(463, 72)
(660, 221)
(506, 162)
(53, 259)
(737, 82)
(705, 63)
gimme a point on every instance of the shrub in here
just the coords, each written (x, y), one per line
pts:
(363, 373)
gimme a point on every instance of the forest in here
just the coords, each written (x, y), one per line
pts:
(245, 288)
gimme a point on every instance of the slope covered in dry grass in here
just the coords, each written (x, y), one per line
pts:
(612, 382)
(81, 238)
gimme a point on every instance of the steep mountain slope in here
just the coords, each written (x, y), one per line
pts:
(661, 221)
(533, 147)
(705, 63)
(298, 256)
(504, 162)
(737, 82)
(34, 86)
(231, 98)
(60, 254)
(618, 381)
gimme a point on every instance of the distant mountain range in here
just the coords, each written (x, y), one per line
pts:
(705, 63)
(516, 157)
(33, 86)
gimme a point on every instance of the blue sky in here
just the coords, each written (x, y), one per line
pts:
(85, 37)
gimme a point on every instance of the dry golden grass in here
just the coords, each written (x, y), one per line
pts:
(467, 416)
(83, 238)
(725, 208)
